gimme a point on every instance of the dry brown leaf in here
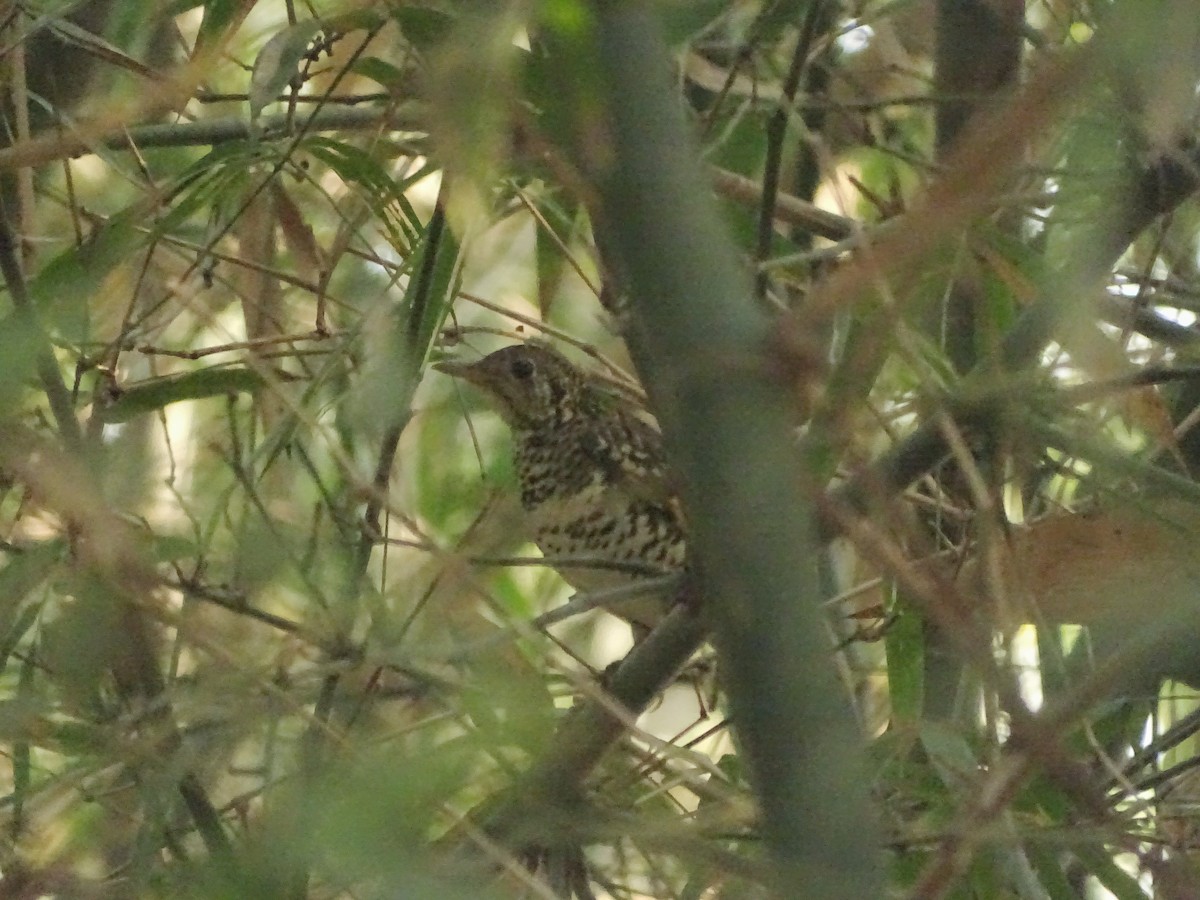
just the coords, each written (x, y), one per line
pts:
(1106, 565)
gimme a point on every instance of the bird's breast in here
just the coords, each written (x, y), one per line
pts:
(596, 532)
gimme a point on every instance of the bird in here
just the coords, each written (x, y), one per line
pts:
(595, 487)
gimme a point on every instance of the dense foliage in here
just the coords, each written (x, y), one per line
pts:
(911, 286)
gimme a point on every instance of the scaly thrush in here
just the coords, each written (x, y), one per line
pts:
(593, 476)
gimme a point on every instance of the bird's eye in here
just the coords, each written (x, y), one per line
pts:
(522, 368)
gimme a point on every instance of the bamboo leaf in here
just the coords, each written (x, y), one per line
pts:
(154, 394)
(277, 63)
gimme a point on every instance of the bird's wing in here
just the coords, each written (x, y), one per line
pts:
(630, 454)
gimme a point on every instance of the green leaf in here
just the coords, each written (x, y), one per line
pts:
(25, 620)
(383, 73)
(19, 718)
(84, 639)
(1115, 879)
(171, 547)
(952, 756)
(19, 343)
(684, 21)
(906, 666)
(438, 263)
(154, 394)
(509, 707)
(22, 755)
(424, 27)
(279, 59)
(23, 574)
(382, 193)
(357, 20)
(1047, 862)
(219, 17)
(393, 369)
(69, 280)
(277, 62)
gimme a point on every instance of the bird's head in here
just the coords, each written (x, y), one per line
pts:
(532, 386)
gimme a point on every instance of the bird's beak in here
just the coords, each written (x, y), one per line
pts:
(459, 370)
(465, 371)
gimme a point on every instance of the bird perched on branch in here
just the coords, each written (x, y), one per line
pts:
(593, 476)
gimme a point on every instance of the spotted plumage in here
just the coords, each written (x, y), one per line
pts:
(593, 477)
